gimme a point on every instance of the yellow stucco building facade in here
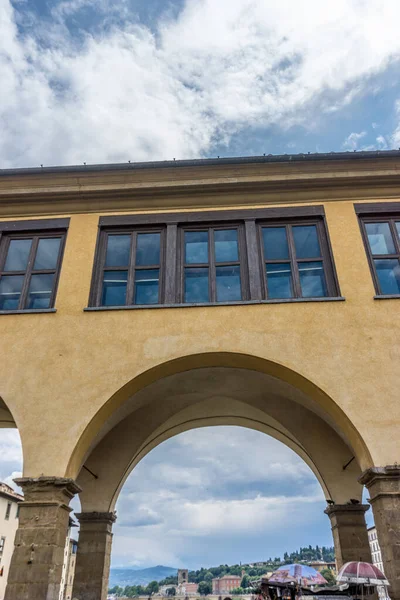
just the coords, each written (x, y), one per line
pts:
(138, 301)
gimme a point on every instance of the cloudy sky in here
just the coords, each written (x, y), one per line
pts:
(119, 80)
(209, 496)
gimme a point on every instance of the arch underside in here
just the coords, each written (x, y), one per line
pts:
(217, 395)
(6, 418)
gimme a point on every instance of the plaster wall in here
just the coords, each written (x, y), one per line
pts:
(62, 375)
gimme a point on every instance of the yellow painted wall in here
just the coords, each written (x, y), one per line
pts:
(58, 370)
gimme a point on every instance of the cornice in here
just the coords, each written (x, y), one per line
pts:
(198, 187)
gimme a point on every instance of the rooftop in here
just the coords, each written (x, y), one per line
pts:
(7, 492)
(198, 162)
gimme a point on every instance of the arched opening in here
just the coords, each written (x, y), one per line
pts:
(216, 495)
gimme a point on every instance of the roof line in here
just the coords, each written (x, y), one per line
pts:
(199, 162)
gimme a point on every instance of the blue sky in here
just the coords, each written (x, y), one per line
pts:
(119, 80)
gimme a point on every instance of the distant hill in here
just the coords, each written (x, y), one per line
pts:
(131, 576)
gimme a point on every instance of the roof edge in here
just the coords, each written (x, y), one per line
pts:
(199, 162)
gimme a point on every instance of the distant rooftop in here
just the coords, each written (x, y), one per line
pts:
(199, 162)
(8, 492)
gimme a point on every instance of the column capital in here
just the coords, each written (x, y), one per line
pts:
(39, 489)
(97, 517)
(334, 509)
(380, 474)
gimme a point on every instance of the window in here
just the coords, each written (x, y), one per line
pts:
(131, 270)
(30, 261)
(8, 511)
(17, 511)
(211, 267)
(382, 240)
(216, 257)
(295, 258)
(2, 544)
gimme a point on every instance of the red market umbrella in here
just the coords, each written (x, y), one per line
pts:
(361, 572)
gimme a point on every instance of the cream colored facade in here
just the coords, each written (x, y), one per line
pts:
(9, 504)
(101, 388)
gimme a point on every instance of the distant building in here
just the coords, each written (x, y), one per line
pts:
(68, 570)
(183, 575)
(225, 584)
(377, 560)
(321, 565)
(9, 509)
(188, 589)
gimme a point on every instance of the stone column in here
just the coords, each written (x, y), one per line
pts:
(37, 561)
(383, 484)
(349, 531)
(92, 568)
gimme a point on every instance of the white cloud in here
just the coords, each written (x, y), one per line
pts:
(124, 93)
(352, 140)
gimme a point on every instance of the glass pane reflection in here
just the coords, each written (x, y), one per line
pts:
(306, 241)
(226, 245)
(196, 285)
(380, 238)
(17, 255)
(114, 288)
(118, 249)
(196, 247)
(388, 271)
(40, 289)
(148, 249)
(228, 284)
(10, 291)
(47, 254)
(146, 286)
(312, 279)
(275, 243)
(279, 280)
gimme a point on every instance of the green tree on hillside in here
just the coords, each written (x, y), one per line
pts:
(205, 588)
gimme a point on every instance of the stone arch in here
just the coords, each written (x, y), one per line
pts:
(106, 417)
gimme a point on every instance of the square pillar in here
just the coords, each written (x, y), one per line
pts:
(349, 531)
(37, 561)
(92, 568)
(383, 484)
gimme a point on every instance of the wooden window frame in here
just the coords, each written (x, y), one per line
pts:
(131, 268)
(212, 264)
(35, 230)
(246, 221)
(382, 212)
(325, 256)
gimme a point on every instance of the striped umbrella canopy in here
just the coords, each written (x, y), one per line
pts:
(361, 572)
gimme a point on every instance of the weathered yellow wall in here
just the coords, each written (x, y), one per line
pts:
(58, 370)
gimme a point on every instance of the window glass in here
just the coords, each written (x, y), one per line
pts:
(146, 286)
(388, 272)
(196, 285)
(40, 289)
(17, 255)
(312, 279)
(8, 510)
(114, 288)
(380, 238)
(398, 227)
(148, 249)
(228, 284)
(118, 250)
(196, 247)
(275, 243)
(279, 280)
(47, 254)
(226, 245)
(10, 291)
(306, 241)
